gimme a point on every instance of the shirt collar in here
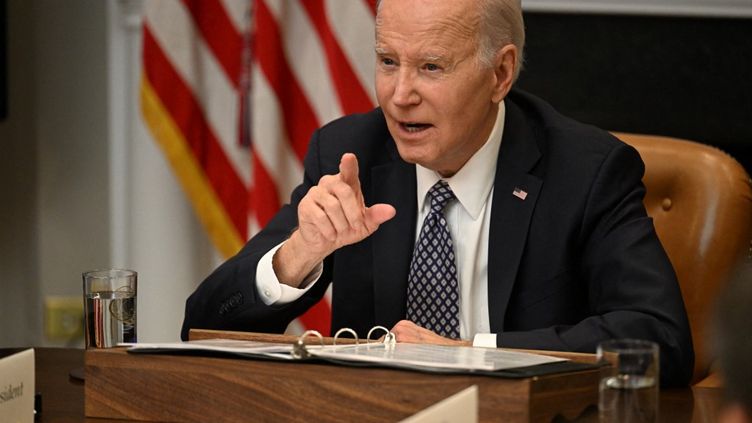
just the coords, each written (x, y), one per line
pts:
(473, 182)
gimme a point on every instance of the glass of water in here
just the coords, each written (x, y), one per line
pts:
(109, 307)
(629, 385)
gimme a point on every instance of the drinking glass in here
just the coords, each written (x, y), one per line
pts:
(629, 385)
(109, 307)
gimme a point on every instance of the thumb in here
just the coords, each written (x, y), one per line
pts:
(378, 214)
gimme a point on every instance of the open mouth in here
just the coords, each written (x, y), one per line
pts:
(414, 127)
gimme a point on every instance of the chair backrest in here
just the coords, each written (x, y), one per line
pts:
(700, 200)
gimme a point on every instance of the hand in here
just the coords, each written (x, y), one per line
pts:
(407, 331)
(331, 215)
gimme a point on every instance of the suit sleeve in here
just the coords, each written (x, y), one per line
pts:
(227, 299)
(631, 286)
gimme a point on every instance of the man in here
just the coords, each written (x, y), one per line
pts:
(734, 346)
(536, 238)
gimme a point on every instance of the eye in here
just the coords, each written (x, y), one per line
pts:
(387, 61)
(432, 67)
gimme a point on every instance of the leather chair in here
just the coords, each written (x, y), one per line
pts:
(700, 200)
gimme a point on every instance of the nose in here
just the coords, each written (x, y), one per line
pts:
(405, 93)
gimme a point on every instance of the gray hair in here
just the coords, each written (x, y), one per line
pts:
(501, 24)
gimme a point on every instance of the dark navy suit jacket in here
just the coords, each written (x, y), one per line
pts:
(576, 262)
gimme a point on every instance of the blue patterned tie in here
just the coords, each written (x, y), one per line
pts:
(432, 290)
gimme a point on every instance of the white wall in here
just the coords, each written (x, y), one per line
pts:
(70, 120)
(19, 316)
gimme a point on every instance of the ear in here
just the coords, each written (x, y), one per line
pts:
(505, 65)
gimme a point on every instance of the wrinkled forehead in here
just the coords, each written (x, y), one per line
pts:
(456, 20)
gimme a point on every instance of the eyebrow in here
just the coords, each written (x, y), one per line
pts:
(434, 58)
(428, 58)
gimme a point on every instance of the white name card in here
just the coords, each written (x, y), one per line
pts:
(17, 387)
(461, 407)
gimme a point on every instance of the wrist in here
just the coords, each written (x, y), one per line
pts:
(294, 261)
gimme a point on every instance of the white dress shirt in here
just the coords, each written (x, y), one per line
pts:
(469, 217)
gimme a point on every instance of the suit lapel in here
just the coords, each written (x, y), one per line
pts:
(393, 183)
(510, 214)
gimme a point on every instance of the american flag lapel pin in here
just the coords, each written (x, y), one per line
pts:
(519, 193)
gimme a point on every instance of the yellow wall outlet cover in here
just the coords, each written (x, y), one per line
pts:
(63, 317)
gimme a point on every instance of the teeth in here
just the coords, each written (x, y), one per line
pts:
(414, 127)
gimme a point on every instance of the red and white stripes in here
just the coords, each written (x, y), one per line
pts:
(311, 61)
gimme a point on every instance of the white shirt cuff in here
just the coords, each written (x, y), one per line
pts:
(271, 291)
(487, 340)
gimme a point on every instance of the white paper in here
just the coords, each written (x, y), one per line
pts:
(17, 387)
(220, 345)
(435, 356)
(461, 407)
(412, 356)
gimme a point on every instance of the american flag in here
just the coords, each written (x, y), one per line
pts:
(519, 193)
(233, 89)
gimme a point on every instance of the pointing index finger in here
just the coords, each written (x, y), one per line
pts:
(348, 171)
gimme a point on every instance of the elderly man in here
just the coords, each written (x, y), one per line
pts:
(460, 211)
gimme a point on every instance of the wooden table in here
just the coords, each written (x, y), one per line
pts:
(63, 396)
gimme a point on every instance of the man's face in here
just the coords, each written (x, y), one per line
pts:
(435, 95)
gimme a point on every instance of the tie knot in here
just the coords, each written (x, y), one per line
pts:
(440, 194)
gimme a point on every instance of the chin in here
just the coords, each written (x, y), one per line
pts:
(411, 154)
